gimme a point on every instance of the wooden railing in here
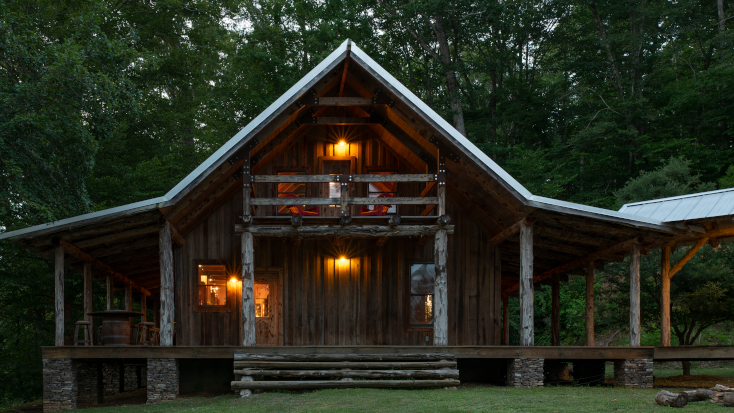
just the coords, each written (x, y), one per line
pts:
(345, 180)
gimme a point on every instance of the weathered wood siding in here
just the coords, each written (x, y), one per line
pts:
(362, 302)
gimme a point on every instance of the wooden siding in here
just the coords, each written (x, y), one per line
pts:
(362, 302)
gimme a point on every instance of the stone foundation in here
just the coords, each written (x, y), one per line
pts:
(526, 372)
(89, 382)
(163, 379)
(111, 379)
(633, 373)
(59, 385)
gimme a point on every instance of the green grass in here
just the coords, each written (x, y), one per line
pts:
(477, 399)
(727, 372)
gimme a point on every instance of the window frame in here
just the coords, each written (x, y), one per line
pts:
(408, 309)
(227, 308)
(393, 170)
(306, 170)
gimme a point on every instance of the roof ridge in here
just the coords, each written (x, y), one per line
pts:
(652, 201)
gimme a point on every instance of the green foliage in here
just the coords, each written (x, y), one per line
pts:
(727, 181)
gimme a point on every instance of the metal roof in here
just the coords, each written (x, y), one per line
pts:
(288, 98)
(702, 205)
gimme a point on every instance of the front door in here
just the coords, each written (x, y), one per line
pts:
(267, 308)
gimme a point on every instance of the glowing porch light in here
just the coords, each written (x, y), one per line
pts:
(342, 142)
(343, 259)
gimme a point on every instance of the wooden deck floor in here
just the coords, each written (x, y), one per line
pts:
(460, 352)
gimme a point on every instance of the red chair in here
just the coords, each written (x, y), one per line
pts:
(379, 210)
(299, 209)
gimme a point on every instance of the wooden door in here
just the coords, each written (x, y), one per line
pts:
(267, 309)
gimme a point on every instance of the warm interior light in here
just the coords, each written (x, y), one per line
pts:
(342, 143)
(233, 280)
(342, 259)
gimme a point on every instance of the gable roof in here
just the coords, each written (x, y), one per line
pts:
(277, 108)
(712, 204)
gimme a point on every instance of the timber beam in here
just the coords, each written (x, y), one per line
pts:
(509, 231)
(338, 231)
(77, 253)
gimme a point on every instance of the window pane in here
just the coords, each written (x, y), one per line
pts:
(421, 278)
(262, 292)
(212, 285)
(421, 309)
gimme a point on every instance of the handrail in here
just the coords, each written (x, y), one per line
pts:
(351, 178)
(349, 201)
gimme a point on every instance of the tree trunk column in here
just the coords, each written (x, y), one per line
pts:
(665, 296)
(248, 290)
(635, 320)
(556, 312)
(110, 293)
(440, 293)
(88, 302)
(166, 265)
(59, 296)
(590, 305)
(505, 320)
(526, 285)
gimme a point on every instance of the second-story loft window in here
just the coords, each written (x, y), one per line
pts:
(212, 285)
(290, 190)
(383, 190)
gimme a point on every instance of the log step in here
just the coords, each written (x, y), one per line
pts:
(354, 374)
(332, 384)
(310, 365)
(343, 357)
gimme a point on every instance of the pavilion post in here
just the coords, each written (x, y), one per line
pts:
(555, 311)
(88, 302)
(505, 320)
(110, 285)
(590, 342)
(440, 257)
(526, 284)
(166, 266)
(665, 296)
(635, 320)
(143, 308)
(59, 295)
(248, 290)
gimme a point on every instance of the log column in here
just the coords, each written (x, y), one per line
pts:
(440, 293)
(248, 290)
(635, 320)
(556, 311)
(505, 320)
(59, 296)
(88, 306)
(590, 305)
(665, 296)
(166, 265)
(526, 284)
(110, 284)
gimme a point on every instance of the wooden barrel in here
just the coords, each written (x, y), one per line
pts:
(116, 331)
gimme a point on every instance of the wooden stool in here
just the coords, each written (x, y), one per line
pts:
(155, 339)
(88, 341)
(144, 332)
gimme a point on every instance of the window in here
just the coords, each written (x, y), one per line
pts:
(212, 285)
(290, 190)
(262, 292)
(383, 190)
(421, 294)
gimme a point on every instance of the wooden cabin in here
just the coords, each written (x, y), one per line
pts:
(347, 219)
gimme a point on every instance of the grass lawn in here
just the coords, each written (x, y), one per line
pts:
(465, 399)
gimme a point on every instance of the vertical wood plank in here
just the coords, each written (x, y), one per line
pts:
(440, 295)
(110, 286)
(555, 311)
(248, 290)
(167, 284)
(59, 295)
(497, 296)
(526, 285)
(88, 299)
(505, 320)
(635, 320)
(665, 296)
(590, 304)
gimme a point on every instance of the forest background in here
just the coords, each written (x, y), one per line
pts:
(108, 102)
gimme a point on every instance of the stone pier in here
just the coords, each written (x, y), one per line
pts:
(525, 372)
(60, 385)
(163, 379)
(633, 373)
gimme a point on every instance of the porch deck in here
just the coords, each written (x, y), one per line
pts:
(697, 353)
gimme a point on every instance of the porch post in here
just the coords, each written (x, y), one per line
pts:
(248, 290)
(88, 306)
(440, 295)
(505, 320)
(143, 308)
(590, 304)
(665, 296)
(166, 265)
(128, 298)
(556, 311)
(526, 284)
(110, 293)
(59, 299)
(635, 326)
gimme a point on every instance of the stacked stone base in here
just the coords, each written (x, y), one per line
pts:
(525, 372)
(163, 379)
(633, 373)
(60, 385)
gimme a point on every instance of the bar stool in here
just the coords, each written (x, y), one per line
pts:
(155, 338)
(88, 336)
(145, 329)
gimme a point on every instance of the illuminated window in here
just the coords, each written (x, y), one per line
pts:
(422, 276)
(212, 285)
(290, 190)
(262, 292)
(383, 190)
